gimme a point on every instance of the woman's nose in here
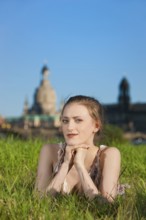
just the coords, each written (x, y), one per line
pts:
(71, 125)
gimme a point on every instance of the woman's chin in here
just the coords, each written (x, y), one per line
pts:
(69, 143)
(73, 143)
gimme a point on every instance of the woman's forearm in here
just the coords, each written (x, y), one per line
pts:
(56, 183)
(88, 185)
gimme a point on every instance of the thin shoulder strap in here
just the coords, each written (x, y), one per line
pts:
(102, 147)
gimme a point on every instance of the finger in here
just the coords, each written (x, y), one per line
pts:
(75, 147)
(80, 146)
(83, 146)
(81, 149)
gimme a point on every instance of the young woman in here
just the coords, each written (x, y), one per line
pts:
(78, 164)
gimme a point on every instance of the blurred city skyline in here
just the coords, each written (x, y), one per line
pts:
(89, 46)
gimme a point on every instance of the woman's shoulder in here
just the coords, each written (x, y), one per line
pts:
(109, 150)
(53, 147)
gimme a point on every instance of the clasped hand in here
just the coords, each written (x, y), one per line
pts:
(76, 154)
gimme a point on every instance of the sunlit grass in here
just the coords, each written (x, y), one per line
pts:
(18, 163)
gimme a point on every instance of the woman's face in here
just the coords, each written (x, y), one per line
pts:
(77, 125)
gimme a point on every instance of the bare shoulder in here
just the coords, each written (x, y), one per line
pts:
(111, 151)
(50, 151)
(50, 148)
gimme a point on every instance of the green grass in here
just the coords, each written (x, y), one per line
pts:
(18, 163)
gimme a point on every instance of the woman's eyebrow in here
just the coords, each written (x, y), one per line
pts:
(71, 117)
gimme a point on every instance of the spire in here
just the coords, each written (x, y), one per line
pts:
(26, 107)
(45, 72)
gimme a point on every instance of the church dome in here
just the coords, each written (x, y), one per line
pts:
(45, 97)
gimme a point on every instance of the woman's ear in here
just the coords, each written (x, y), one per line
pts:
(97, 127)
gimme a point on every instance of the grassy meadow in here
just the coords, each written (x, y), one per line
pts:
(18, 163)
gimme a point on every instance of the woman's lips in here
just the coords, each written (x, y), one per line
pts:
(71, 135)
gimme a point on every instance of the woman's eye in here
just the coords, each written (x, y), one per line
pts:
(64, 121)
(78, 120)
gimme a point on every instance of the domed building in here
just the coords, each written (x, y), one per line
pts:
(43, 110)
(44, 97)
(125, 114)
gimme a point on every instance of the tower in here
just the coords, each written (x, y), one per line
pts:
(44, 97)
(124, 94)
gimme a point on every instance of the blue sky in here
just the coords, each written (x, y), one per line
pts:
(89, 46)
